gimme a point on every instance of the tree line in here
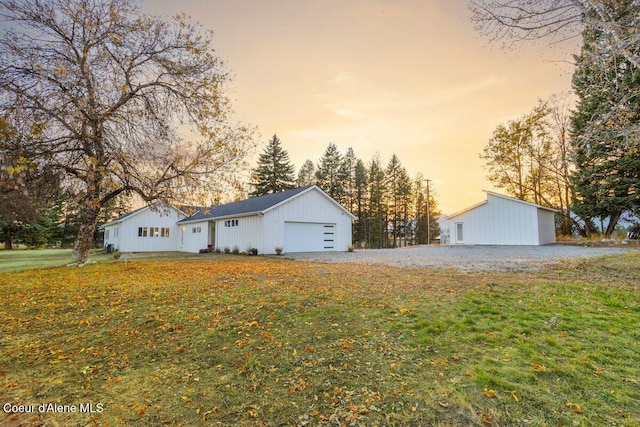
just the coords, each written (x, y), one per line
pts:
(390, 206)
(583, 160)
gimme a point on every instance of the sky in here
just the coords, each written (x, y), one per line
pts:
(407, 77)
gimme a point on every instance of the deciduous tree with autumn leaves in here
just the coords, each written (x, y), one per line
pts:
(126, 102)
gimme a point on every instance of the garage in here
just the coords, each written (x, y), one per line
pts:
(309, 237)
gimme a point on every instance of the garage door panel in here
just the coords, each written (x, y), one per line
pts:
(309, 237)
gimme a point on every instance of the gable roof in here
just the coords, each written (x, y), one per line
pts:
(134, 212)
(491, 193)
(255, 205)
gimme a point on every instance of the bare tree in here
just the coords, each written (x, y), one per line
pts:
(558, 20)
(127, 102)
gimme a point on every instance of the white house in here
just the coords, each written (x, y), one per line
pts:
(500, 220)
(148, 229)
(304, 219)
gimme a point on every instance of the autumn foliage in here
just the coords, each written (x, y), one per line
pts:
(253, 341)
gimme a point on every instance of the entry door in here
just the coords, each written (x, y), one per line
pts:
(309, 237)
(459, 232)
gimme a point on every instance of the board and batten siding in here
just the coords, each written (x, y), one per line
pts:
(311, 207)
(195, 236)
(127, 239)
(502, 221)
(246, 235)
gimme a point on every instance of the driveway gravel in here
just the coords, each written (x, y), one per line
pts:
(464, 258)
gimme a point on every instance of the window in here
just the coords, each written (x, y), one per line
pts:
(196, 230)
(142, 231)
(164, 232)
(154, 232)
(115, 232)
(459, 232)
(106, 235)
(231, 223)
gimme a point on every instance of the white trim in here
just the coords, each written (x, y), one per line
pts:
(520, 201)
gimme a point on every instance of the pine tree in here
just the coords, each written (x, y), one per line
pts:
(361, 185)
(377, 221)
(604, 130)
(330, 173)
(307, 174)
(274, 172)
(348, 174)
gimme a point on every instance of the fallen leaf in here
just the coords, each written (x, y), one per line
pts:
(486, 418)
(141, 410)
(489, 393)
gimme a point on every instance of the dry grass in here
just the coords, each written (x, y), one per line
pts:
(255, 341)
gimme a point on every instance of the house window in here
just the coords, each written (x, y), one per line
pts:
(142, 231)
(164, 232)
(196, 230)
(154, 232)
(115, 232)
(231, 223)
(459, 232)
(106, 235)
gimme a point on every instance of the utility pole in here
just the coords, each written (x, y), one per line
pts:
(428, 215)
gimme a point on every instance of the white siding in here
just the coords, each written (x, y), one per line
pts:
(127, 239)
(247, 234)
(112, 235)
(501, 221)
(309, 207)
(195, 236)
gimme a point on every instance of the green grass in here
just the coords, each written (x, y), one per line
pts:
(256, 341)
(27, 259)
(30, 259)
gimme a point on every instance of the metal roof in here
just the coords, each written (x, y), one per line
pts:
(477, 205)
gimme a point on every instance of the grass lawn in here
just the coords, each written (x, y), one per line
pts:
(29, 259)
(254, 341)
(26, 259)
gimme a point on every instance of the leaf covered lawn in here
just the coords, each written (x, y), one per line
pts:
(257, 341)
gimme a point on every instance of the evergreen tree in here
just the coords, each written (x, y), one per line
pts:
(377, 221)
(27, 188)
(348, 174)
(398, 188)
(604, 130)
(274, 172)
(330, 173)
(360, 195)
(307, 174)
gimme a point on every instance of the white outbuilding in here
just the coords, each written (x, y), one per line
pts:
(500, 220)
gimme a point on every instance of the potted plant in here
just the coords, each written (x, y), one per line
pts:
(278, 250)
(253, 251)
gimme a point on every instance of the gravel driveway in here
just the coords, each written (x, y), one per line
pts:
(465, 258)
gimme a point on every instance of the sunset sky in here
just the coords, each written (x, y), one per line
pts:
(381, 76)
